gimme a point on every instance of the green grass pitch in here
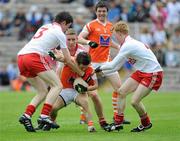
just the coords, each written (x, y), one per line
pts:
(163, 108)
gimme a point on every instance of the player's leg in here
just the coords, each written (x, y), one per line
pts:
(56, 107)
(98, 107)
(82, 116)
(141, 92)
(82, 100)
(127, 87)
(59, 104)
(115, 81)
(42, 91)
(65, 97)
(52, 80)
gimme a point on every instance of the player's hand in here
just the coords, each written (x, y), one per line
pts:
(98, 69)
(80, 88)
(59, 55)
(93, 44)
(52, 55)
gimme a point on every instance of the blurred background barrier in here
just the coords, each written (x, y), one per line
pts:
(154, 22)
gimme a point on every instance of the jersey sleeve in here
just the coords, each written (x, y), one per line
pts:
(86, 29)
(123, 53)
(61, 37)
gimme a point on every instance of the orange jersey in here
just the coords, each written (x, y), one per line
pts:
(101, 34)
(67, 75)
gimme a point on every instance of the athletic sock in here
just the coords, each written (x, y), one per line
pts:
(102, 121)
(119, 118)
(30, 109)
(115, 102)
(90, 123)
(145, 120)
(82, 115)
(46, 110)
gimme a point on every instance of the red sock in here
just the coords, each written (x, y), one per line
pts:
(46, 109)
(118, 119)
(145, 120)
(102, 121)
(30, 109)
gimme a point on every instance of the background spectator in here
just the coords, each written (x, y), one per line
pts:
(114, 12)
(47, 16)
(5, 28)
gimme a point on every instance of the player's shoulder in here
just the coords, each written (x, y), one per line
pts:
(92, 23)
(109, 23)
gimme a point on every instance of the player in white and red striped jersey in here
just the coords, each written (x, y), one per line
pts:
(33, 65)
(147, 77)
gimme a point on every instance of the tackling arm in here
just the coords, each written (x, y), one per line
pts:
(69, 62)
(114, 63)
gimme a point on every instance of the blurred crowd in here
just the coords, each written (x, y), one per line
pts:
(162, 36)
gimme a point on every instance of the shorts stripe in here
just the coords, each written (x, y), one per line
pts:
(45, 64)
(153, 80)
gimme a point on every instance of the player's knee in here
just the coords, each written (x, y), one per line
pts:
(122, 93)
(55, 83)
(134, 103)
(84, 103)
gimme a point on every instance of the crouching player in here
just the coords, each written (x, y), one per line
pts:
(79, 94)
(147, 77)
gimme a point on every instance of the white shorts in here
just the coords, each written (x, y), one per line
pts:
(68, 95)
(106, 73)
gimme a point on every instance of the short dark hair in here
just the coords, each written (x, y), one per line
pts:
(101, 4)
(64, 16)
(83, 58)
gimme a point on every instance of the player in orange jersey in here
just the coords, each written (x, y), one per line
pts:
(74, 49)
(69, 94)
(99, 31)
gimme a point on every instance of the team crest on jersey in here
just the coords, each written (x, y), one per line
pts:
(104, 40)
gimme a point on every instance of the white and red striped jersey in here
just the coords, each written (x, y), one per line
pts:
(46, 38)
(138, 54)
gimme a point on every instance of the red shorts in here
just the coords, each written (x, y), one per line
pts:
(32, 64)
(150, 80)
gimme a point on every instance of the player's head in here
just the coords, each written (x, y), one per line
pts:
(71, 38)
(64, 19)
(83, 60)
(101, 10)
(121, 30)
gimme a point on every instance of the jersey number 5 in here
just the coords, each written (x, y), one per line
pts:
(40, 32)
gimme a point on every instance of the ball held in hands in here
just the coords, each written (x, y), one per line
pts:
(80, 85)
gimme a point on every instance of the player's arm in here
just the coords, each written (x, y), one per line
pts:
(95, 84)
(66, 57)
(82, 38)
(59, 69)
(115, 62)
(69, 62)
(115, 45)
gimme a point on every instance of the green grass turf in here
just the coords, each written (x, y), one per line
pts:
(164, 110)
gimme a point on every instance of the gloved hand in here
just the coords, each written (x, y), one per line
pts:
(98, 69)
(80, 88)
(52, 55)
(93, 44)
(71, 80)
